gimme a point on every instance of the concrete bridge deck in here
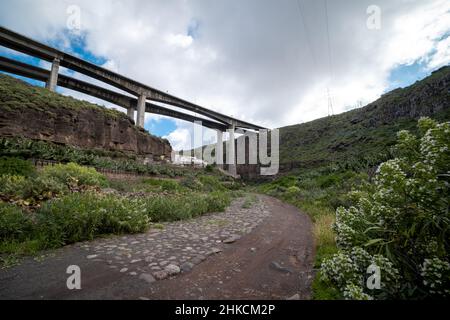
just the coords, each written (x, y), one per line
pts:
(141, 92)
(20, 43)
(127, 102)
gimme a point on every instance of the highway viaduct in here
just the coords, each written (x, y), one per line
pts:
(141, 92)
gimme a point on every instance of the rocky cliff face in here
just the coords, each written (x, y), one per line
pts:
(36, 113)
(424, 98)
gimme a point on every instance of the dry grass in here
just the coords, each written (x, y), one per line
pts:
(323, 233)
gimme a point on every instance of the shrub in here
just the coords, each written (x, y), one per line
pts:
(83, 216)
(176, 207)
(232, 185)
(72, 173)
(163, 185)
(167, 208)
(29, 190)
(192, 183)
(14, 224)
(217, 201)
(293, 190)
(42, 188)
(16, 166)
(402, 225)
(11, 186)
(211, 183)
(26, 148)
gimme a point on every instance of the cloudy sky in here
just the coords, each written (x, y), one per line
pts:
(264, 61)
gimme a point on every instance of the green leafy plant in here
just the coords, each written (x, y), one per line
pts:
(162, 185)
(11, 187)
(181, 207)
(191, 182)
(73, 173)
(83, 216)
(14, 224)
(31, 190)
(16, 166)
(211, 183)
(401, 224)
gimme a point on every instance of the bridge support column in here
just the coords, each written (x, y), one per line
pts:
(130, 113)
(232, 170)
(219, 149)
(141, 111)
(53, 78)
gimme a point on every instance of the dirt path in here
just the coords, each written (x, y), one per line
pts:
(263, 252)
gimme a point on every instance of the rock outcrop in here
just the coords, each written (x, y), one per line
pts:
(35, 113)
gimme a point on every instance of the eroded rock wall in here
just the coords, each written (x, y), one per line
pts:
(27, 111)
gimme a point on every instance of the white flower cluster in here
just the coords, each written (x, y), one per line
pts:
(428, 248)
(435, 144)
(390, 276)
(404, 216)
(348, 271)
(354, 292)
(343, 227)
(436, 276)
(342, 270)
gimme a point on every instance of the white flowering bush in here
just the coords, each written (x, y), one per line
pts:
(400, 223)
(436, 276)
(355, 292)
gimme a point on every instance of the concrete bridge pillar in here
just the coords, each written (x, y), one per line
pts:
(130, 113)
(53, 78)
(232, 151)
(141, 110)
(219, 149)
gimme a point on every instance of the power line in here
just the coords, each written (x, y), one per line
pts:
(306, 31)
(330, 63)
(309, 43)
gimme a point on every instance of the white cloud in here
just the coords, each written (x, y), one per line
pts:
(183, 138)
(179, 40)
(252, 59)
(442, 55)
(180, 139)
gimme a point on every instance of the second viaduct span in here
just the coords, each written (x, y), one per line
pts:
(142, 92)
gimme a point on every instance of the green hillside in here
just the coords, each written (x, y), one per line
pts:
(363, 136)
(16, 94)
(328, 167)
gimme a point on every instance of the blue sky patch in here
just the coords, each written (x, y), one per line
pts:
(160, 127)
(193, 29)
(406, 75)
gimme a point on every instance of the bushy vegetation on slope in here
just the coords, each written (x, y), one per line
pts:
(397, 218)
(15, 166)
(63, 204)
(399, 223)
(101, 159)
